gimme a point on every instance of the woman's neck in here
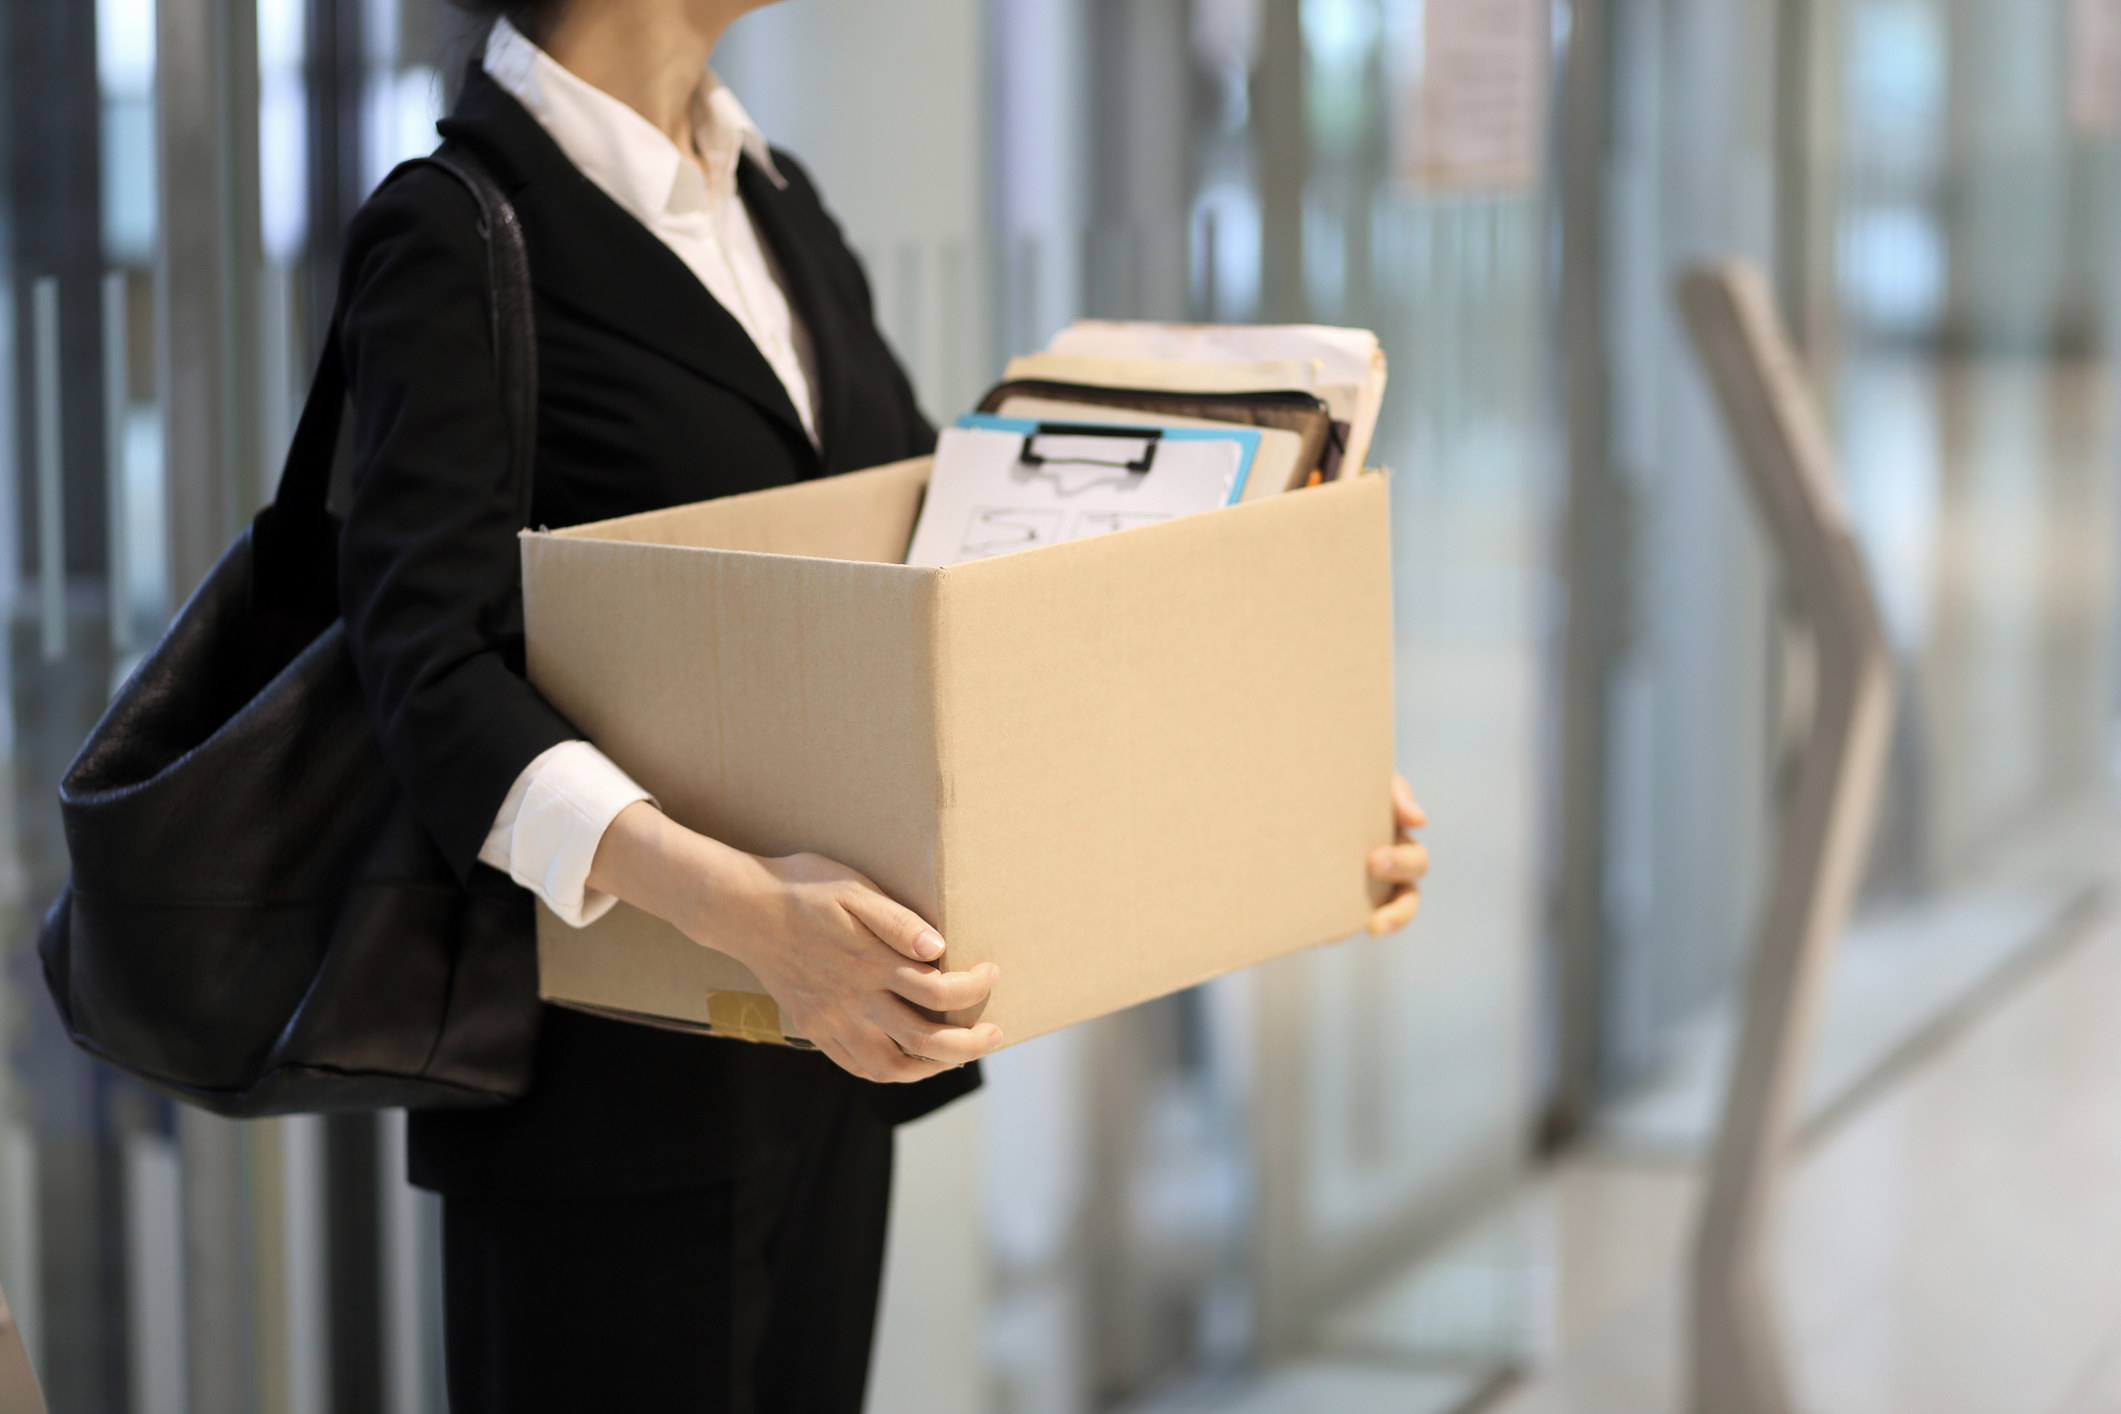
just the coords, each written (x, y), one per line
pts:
(648, 54)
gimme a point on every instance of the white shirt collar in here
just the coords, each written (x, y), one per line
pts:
(618, 149)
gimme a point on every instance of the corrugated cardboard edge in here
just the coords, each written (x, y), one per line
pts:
(1366, 497)
(894, 490)
(714, 994)
(939, 744)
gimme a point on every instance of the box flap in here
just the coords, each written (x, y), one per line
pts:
(864, 515)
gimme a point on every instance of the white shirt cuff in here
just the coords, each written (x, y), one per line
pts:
(546, 834)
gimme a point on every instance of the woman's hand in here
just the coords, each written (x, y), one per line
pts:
(850, 969)
(1400, 865)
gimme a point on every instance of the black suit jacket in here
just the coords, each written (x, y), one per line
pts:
(650, 395)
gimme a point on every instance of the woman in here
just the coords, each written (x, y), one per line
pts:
(665, 1221)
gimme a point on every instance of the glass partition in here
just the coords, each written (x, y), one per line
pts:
(1931, 186)
(157, 1260)
(78, 383)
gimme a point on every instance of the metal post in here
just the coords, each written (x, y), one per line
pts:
(206, 95)
(1591, 543)
(117, 404)
(220, 1354)
(206, 101)
(51, 480)
(1783, 445)
(1796, 175)
(1280, 152)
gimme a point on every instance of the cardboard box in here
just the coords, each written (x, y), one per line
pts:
(1116, 767)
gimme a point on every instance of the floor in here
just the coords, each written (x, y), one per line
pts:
(1896, 978)
(1950, 1244)
(1906, 974)
(1951, 1247)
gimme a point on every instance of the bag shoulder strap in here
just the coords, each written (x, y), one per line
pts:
(305, 479)
(514, 326)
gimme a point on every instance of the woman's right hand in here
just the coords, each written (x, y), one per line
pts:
(850, 968)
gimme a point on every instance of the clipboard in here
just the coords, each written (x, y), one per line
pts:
(1004, 484)
(1277, 466)
(1291, 410)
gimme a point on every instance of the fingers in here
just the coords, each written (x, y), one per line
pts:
(871, 1055)
(900, 1046)
(1397, 912)
(950, 1045)
(1403, 864)
(1405, 807)
(903, 930)
(945, 991)
(1399, 863)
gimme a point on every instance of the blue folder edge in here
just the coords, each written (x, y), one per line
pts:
(1247, 438)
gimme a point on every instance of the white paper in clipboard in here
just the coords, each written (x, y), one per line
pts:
(1003, 484)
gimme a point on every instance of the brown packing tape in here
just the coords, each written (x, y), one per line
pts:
(746, 1016)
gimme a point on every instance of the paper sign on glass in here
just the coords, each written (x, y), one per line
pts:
(1003, 483)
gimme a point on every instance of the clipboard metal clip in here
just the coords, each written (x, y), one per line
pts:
(1150, 437)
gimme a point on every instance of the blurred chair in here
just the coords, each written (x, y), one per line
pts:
(18, 1382)
(1783, 446)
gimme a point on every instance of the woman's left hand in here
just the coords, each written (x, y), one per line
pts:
(1400, 865)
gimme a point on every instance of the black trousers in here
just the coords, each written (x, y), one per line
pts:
(753, 1296)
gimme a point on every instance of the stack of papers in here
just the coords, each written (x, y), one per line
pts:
(1346, 367)
(1117, 425)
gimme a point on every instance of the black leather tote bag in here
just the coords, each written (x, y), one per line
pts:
(256, 921)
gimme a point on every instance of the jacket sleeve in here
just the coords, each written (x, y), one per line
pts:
(430, 582)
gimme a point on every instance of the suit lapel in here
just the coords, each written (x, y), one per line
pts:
(588, 252)
(776, 212)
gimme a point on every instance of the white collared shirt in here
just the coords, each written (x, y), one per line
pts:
(697, 213)
(546, 834)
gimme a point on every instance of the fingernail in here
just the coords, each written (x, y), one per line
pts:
(928, 946)
(994, 972)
